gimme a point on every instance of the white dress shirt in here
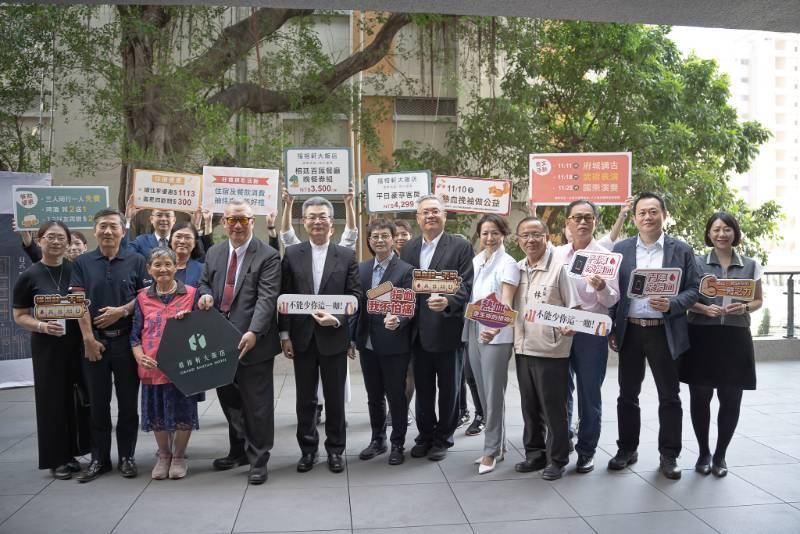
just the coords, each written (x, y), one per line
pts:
(647, 257)
(489, 278)
(349, 238)
(427, 251)
(318, 255)
(591, 300)
(239, 251)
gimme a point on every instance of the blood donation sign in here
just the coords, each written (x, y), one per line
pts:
(387, 299)
(295, 304)
(654, 282)
(75, 206)
(596, 324)
(586, 263)
(473, 195)
(435, 282)
(490, 312)
(738, 288)
(259, 187)
(167, 190)
(396, 191)
(317, 171)
(558, 179)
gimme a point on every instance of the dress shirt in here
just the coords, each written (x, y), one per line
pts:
(378, 268)
(239, 251)
(647, 257)
(591, 300)
(349, 238)
(318, 255)
(489, 278)
(427, 250)
(158, 240)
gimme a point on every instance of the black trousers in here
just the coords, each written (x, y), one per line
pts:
(431, 369)
(117, 360)
(309, 367)
(385, 376)
(249, 406)
(543, 387)
(468, 380)
(648, 344)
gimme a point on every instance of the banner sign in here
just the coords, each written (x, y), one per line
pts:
(654, 283)
(427, 281)
(473, 195)
(290, 304)
(75, 206)
(738, 288)
(259, 187)
(596, 324)
(317, 171)
(48, 307)
(387, 299)
(602, 177)
(490, 312)
(167, 190)
(586, 263)
(396, 191)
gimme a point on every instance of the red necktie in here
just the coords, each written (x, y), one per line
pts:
(230, 284)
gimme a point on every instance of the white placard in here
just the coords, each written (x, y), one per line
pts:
(296, 304)
(317, 171)
(473, 195)
(259, 187)
(167, 190)
(396, 191)
(586, 263)
(596, 324)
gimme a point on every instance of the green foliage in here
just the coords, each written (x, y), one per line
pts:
(764, 325)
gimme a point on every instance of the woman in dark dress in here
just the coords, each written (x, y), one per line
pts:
(62, 424)
(721, 355)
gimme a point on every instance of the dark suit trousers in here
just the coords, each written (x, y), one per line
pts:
(432, 369)
(543, 387)
(385, 375)
(309, 367)
(249, 406)
(650, 344)
(117, 359)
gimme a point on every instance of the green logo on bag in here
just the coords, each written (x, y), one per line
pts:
(197, 340)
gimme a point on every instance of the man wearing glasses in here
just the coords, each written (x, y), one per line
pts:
(318, 343)
(241, 278)
(162, 221)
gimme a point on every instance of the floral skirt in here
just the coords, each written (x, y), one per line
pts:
(166, 409)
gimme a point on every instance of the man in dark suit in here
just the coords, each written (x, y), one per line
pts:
(318, 343)
(436, 330)
(653, 330)
(384, 345)
(162, 221)
(241, 278)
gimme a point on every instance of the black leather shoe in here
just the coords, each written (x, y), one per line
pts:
(397, 456)
(669, 467)
(420, 450)
(257, 476)
(74, 466)
(585, 464)
(463, 419)
(529, 466)
(229, 462)
(335, 462)
(307, 462)
(553, 472)
(93, 470)
(719, 467)
(623, 459)
(127, 466)
(62, 472)
(373, 449)
(703, 465)
(437, 453)
(476, 427)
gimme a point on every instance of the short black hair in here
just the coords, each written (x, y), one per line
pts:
(80, 236)
(51, 223)
(197, 253)
(500, 222)
(729, 220)
(107, 212)
(583, 201)
(402, 223)
(380, 224)
(648, 194)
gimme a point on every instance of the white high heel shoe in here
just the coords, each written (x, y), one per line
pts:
(483, 469)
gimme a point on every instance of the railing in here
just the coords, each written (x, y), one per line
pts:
(790, 293)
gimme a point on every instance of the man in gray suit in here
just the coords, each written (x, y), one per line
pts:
(242, 278)
(654, 330)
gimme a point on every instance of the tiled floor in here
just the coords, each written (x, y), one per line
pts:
(761, 494)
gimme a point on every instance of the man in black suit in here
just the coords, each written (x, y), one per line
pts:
(436, 330)
(654, 330)
(384, 345)
(318, 343)
(241, 278)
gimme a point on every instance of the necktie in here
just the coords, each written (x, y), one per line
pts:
(377, 274)
(230, 284)
(162, 242)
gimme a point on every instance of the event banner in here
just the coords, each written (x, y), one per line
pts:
(596, 324)
(396, 191)
(490, 312)
(602, 177)
(14, 340)
(259, 187)
(386, 299)
(75, 206)
(473, 195)
(737, 288)
(585, 263)
(297, 304)
(167, 190)
(317, 171)
(654, 282)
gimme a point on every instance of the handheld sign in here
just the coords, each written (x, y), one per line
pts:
(259, 187)
(396, 191)
(296, 304)
(558, 179)
(586, 263)
(741, 289)
(74, 206)
(49, 307)
(387, 299)
(654, 283)
(490, 312)
(596, 324)
(317, 171)
(473, 195)
(435, 282)
(166, 190)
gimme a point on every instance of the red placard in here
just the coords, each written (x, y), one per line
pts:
(558, 179)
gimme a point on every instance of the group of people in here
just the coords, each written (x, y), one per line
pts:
(135, 286)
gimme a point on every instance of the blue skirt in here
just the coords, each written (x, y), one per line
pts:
(166, 409)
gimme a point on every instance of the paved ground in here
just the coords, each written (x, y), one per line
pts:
(761, 494)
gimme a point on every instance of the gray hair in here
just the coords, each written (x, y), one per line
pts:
(110, 212)
(162, 252)
(423, 198)
(318, 201)
(239, 202)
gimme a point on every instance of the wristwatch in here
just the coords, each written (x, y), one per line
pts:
(747, 307)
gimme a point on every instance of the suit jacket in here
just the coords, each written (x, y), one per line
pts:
(144, 243)
(255, 296)
(383, 341)
(339, 277)
(676, 254)
(441, 331)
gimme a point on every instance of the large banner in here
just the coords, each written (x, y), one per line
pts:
(75, 206)
(396, 191)
(317, 171)
(167, 190)
(259, 187)
(473, 195)
(15, 345)
(9, 179)
(558, 179)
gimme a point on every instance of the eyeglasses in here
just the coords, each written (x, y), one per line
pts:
(320, 218)
(380, 237)
(581, 217)
(241, 219)
(55, 238)
(161, 215)
(434, 211)
(179, 237)
(531, 237)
